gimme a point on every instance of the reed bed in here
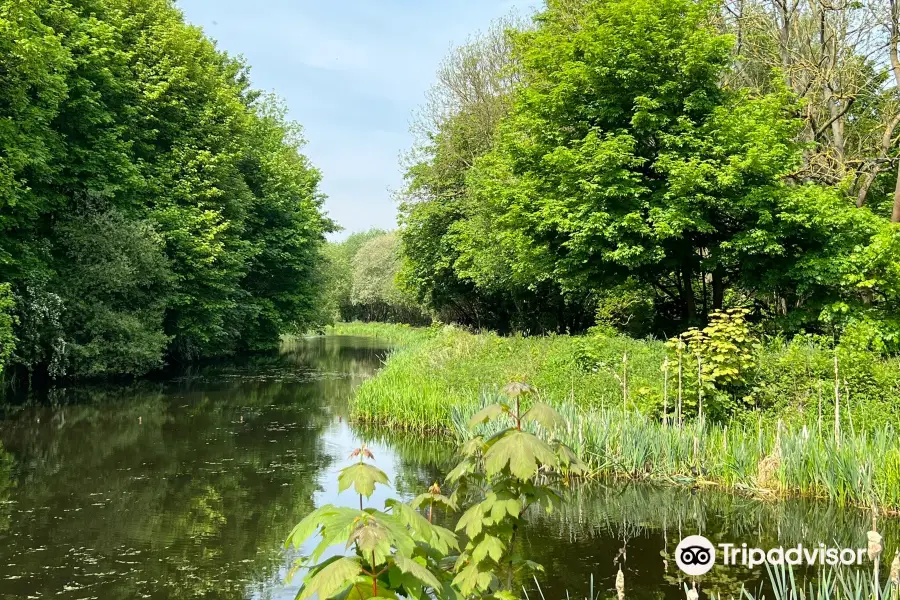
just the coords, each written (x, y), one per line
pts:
(854, 469)
(833, 584)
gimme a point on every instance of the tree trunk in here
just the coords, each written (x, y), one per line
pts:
(688, 300)
(895, 213)
(718, 285)
(895, 64)
(869, 177)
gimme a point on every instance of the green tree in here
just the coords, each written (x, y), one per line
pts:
(374, 291)
(624, 157)
(114, 289)
(7, 321)
(338, 257)
(457, 125)
(130, 133)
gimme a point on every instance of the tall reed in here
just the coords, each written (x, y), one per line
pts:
(854, 469)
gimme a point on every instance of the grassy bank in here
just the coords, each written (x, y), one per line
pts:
(438, 378)
(402, 335)
(439, 368)
(449, 368)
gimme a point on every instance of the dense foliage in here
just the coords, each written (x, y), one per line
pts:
(152, 204)
(362, 273)
(820, 423)
(642, 164)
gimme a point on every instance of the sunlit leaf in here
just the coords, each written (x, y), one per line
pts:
(517, 388)
(488, 546)
(465, 467)
(373, 541)
(362, 589)
(331, 579)
(439, 500)
(487, 413)
(470, 579)
(471, 521)
(544, 415)
(362, 477)
(438, 537)
(307, 527)
(569, 460)
(522, 452)
(410, 566)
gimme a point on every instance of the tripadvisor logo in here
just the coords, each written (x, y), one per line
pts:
(696, 555)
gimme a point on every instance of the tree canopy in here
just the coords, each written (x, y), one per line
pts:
(152, 204)
(666, 152)
(362, 273)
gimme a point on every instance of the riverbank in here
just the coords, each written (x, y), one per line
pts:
(439, 377)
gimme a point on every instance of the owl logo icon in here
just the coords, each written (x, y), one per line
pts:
(695, 555)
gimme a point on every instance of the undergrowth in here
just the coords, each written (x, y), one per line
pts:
(613, 391)
(436, 369)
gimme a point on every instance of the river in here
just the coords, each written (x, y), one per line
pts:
(185, 487)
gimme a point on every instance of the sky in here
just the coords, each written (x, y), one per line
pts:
(352, 73)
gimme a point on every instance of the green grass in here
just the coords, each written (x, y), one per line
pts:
(439, 377)
(402, 335)
(438, 368)
(423, 381)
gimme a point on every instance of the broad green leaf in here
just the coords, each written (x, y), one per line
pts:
(439, 500)
(443, 540)
(331, 579)
(544, 415)
(505, 506)
(569, 459)
(488, 546)
(471, 521)
(421, 500)
(307, 527)
(529, 565)
(517, 388)
(433, 535)
(412, 586)
(472, 447)
(337, 525)
(409, 517)
(487, 413)
(400, 536)
(522, 452)
(362, 590)
(410, 566)
(466, 466)
(362, 477)
(373, 541)
(470, 580)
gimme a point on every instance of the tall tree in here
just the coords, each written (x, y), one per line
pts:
(152, 204)
(625, 157)
(457, 125)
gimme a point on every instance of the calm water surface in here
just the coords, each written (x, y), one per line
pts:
(186, 488)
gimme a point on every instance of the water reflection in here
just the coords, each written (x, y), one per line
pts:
(186, 487)
(173, 489)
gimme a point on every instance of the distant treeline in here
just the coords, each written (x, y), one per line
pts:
(153, 205)
(362, 280)
(643, 163)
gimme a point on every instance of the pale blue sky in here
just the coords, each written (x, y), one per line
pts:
(352, 73)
